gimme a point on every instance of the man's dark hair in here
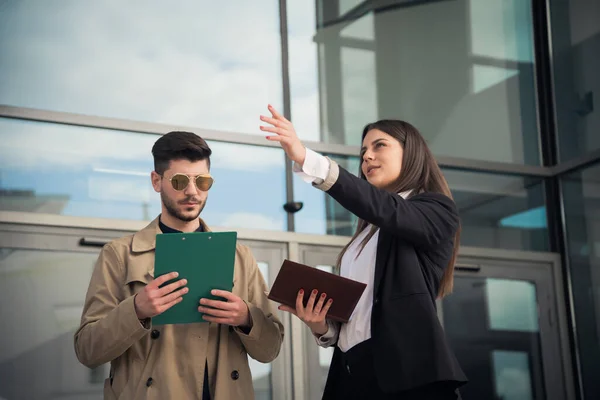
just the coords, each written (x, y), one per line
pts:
(179, 145)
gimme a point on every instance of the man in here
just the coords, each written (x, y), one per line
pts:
(190, 361)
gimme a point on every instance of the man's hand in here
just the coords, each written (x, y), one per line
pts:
(232, 312)
(153, 300)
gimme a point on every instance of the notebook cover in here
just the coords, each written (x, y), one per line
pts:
(205, 259)
(294, 276)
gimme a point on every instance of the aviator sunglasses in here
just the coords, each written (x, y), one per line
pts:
(181, 181)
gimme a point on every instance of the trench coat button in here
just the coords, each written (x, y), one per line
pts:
(155, 334)
(235, 375)
(149, 382)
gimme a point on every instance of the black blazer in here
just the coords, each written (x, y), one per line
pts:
(415, 245)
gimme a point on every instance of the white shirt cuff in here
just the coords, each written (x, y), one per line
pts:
(315, 168)
(330, 337)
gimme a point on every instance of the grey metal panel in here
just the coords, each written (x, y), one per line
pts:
(65, 118)
(249, 139)
(22, 219)
(577, 163)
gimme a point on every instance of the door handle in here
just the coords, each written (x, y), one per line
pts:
(468, 267)
(93, 242)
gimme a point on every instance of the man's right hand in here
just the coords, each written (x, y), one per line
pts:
(154, 300)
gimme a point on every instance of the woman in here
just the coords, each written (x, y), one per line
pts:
(404, 249)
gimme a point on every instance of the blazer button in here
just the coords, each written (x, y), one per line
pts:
(155, 334)
(149, 382)
(235, 375)
(376, 300)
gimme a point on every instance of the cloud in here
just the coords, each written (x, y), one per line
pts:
(183, 65)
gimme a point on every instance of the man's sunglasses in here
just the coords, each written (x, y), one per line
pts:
(181, 181)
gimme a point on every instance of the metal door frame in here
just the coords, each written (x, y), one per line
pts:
(545, 270)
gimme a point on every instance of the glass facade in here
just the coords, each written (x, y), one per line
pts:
(581, 192)
(460, 71)
(497, 211)
(85, 90)
(575, 48)
(147, 62)
(78, 171)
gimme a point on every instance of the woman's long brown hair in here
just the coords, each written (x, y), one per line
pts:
(420, 173)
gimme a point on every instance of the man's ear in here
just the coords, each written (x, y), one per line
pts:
(156, 178)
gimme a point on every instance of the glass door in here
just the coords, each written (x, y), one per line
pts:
(272, 381)
(502, 323)
(317, 358)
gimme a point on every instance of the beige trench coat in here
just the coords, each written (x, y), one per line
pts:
(167, 362)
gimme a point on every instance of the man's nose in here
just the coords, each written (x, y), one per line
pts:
(191, 188)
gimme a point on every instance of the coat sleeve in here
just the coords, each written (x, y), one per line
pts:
(423, 220)
(265, 337)
(109, 324)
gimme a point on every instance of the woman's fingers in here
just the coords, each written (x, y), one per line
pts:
(299, 303)
(276, 114)
(319, 305)
(274, 129)
(288, 309)
(311, 303)
(274, 122)
(325, 309)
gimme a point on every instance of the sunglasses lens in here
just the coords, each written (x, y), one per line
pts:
(179, 182)
(204, 182)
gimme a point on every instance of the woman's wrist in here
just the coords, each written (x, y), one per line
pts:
(320, 330)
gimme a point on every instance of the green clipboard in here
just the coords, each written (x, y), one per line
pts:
(205, 259)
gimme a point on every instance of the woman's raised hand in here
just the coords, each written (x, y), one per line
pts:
(285, 135)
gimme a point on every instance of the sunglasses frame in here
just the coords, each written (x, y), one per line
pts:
(190, 180)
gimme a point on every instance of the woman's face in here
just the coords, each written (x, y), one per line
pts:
(381, 157)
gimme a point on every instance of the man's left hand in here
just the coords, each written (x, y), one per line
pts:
(232, 312)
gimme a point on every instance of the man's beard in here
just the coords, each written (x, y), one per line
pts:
(173, 209)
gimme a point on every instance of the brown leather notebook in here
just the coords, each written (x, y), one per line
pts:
(294, 276)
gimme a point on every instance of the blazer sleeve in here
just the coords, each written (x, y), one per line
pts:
(424, 220)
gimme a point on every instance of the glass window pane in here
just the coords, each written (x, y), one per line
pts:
(460, 71)
(496, 211)
(512, 375)
(146, 61)
(512, 305)
(37, 358)
(581, 193)
(575, 38)
(321, 214)
(89, 172)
